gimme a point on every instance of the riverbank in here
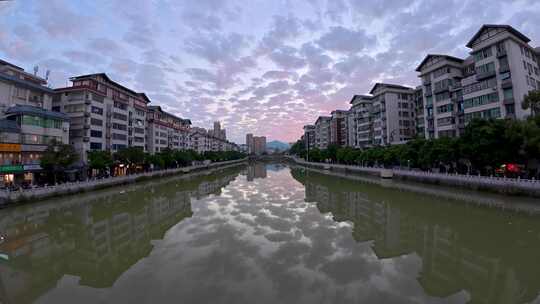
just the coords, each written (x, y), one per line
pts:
(506, 186)
(29, 195)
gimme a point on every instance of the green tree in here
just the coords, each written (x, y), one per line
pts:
(58, 157)
(532, 101)
(100, 160)
(298, 148)
(131, 157)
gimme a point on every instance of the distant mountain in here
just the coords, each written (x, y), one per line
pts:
(277, 145)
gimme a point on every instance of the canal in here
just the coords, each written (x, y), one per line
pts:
(270, 233)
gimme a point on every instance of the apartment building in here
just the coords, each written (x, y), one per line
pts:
(322, 132)
(166, 130)
(309, 136)
(441, 83)
(27, 124)
(105, 115)
(259, 145)
(360, 125)
(419, 111)
(393, 114)
(491, 83)
(217, 131)
(338, 128)
(202, 140)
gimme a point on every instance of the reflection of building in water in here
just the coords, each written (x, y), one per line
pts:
(452, 259)
(96, 241)
(256, 170)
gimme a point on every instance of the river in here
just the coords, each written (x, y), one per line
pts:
(270, 233)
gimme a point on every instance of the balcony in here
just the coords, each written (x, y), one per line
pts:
(428, 93)
(86, 139)
(501, 53)
(440, 90)
(506, 84)
(484, 75)
(508, 101)
(504, 68)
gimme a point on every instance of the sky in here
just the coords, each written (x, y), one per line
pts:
(266, 67)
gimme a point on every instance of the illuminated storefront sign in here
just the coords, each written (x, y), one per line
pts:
(10, 148)
(11, 169)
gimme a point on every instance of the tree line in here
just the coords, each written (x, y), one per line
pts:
(59, 158)
(483, 147)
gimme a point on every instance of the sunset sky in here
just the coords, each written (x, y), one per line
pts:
(265, 67)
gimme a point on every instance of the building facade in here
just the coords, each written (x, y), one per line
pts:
(166, 131)
(360, 124)
(104, 114)
(338, 128)
(309, 136)
(28, 125)
(393, 114)
(322, 132)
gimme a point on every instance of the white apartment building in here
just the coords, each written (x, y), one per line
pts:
(27, 124)
(360, 125)
(419, 109)
(166, 130)
(491, 83)
(339, 127)
(309, 136)
(322, 132)
(441, 79)
(202, 140)
(393, 114)
(104, 114)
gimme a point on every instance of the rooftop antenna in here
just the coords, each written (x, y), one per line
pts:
(36, 69)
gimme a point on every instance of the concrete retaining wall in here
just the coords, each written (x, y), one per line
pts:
(27, 195)
(509, 186)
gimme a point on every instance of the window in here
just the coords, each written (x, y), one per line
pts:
(429, 100)
(505, 76)
(139, 130)
(117, 147)
(446, 121)
(481, 100)
(119, 116)
(30, 120)
(96, 122)
(482, 54)
(442, 96)
(119, 127)
(97, 110)
(95, 146)
(510, 108)
(478, 86)
(486, 114)
(486, 68)
(508, 93)
(439, 72)
(445, 108)
(119, 136)
(95, 133)
(120, 105)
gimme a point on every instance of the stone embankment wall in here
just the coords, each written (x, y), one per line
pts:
(508, 186)
(31, 195)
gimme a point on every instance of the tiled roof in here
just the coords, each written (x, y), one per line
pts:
(506, 27)
(25, 84)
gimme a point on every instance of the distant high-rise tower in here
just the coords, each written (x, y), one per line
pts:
(249, 142)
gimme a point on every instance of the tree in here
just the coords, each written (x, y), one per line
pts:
(532, 101)
(58, 157)
(131, 157)
(100, 160)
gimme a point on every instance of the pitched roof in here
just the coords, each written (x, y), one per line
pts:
(3, 62)
(360, 96)
(323, 118)
(26, 109)
(390, 86)
(451, 58)
(26, 84)
(107, 79)
(501, 26)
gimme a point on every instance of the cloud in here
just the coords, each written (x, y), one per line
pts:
(342, 40)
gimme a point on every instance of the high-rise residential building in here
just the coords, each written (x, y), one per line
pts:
(360, 124)
(338, 128)
(322, 132)
(259, 145)
(217, 131)
(419, 109)
(27, 125)
(441, 80)
(249, 143)
(309, 136)
(166, 130)
(490, 83)
(393, 114)
(105, 115)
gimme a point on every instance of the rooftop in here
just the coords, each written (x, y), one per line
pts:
(500, 26)
(390, 86)
(451, 58)
(26, 84)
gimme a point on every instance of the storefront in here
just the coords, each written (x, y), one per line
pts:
(11, 175)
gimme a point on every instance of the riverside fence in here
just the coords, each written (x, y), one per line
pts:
(511, 186)
(21, 195)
